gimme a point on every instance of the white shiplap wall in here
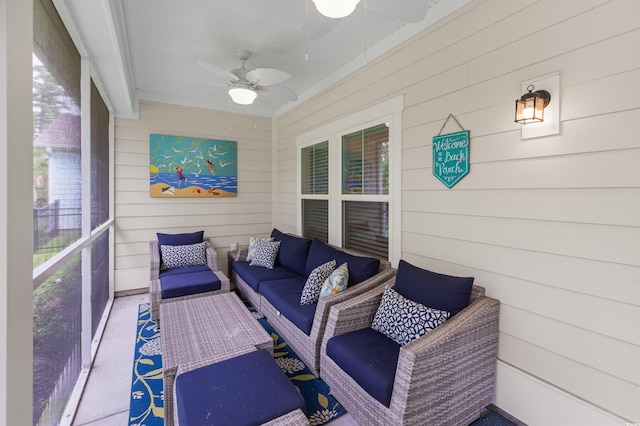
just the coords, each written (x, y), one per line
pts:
(550, 226)
(226, 220)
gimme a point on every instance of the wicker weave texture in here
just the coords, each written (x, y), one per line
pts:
(198, 331)
(443, 378)
(308, 346)
(155, 290)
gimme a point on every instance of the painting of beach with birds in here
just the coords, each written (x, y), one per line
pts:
(182, 166)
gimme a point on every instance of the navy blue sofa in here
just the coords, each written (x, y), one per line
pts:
(276, 292)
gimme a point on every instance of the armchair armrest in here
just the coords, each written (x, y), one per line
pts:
(212, 255)
(457, 361)
(154, 264)
(353, 314)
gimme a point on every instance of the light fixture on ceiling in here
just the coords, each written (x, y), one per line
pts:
(530, 107)
(242, 95)
(336, 8)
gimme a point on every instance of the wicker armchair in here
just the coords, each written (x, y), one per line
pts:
(446, 377)
(155, 288)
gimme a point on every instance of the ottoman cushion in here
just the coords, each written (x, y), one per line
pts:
(191, 283)
(249, 389)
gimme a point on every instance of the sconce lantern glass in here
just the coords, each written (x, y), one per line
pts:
(242, 95)
(530, 107)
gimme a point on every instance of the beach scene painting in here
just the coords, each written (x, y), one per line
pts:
(181, 166)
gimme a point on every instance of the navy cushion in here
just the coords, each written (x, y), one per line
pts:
(360, 268)
(444, 292)
(254, 275)
(370, 358)
(184, 284)
(180, 239)
(185, 270)
(284, 295)
(237, 391)
(293, 251)
(319, 253)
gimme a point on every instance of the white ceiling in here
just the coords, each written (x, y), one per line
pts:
(146, 49)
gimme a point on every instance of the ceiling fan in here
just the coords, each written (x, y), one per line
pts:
(245, 85)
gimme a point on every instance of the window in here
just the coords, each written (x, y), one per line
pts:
(71, 214)
(346, 182)
(315, 190)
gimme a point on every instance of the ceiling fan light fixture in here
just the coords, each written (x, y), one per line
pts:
(242, 95)
(336, 8)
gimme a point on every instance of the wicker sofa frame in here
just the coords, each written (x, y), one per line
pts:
(155, 289)
(308, 346)
(446, 377)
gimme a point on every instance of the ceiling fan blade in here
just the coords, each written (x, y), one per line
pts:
(278, 92)
(267, 76)
(216, 70)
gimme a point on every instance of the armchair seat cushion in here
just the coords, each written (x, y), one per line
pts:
(178, 285)
(244, 390)
(284, 295)
(368, 357)
(254, 275)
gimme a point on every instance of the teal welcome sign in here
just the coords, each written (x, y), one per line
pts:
(451, 157)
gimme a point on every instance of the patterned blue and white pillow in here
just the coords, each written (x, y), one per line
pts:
(311, 290)
(265, 254)
(403, 320)
(183, 256)
(253, 244)
(337, 281)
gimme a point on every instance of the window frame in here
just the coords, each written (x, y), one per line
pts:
(389, 111)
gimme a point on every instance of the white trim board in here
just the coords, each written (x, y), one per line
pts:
(535, 402)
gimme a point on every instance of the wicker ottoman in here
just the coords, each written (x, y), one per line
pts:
(248, 389)
(195, 332)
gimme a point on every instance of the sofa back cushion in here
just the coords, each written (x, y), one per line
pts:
(360, 268)
(293, 251)
(439, 291)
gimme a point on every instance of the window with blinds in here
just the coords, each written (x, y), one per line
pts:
(360, 211)
(315, 169)
(365, 161)
(365, 227)
(315, 219)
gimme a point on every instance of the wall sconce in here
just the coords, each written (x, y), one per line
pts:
(530, 107)
(336, 8)
(541, 102)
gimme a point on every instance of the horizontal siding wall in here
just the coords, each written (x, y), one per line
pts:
(550, 226)
(226, 220)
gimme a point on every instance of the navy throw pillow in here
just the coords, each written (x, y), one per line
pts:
(180, 239)
(440, 291)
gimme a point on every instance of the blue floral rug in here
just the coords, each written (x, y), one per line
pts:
(147, 396)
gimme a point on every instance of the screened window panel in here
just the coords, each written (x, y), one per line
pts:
(365, 161)
(99, 279)
(57, 177)
(366, 227)
(315, 219)
(315, 169)
(57, 328)
(99, 159)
